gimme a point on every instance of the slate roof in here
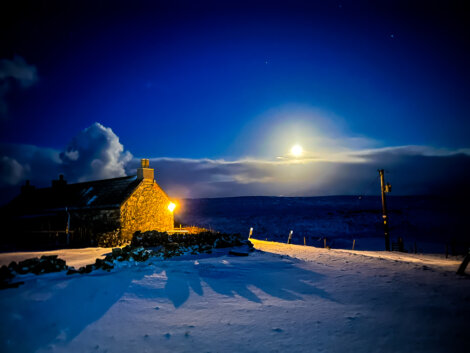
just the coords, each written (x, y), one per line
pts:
(107, 193)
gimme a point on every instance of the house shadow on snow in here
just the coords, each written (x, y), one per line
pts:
(54, 310)
(275, 276)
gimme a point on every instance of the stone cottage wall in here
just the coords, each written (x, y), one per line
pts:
(87, 225)
(146, 209)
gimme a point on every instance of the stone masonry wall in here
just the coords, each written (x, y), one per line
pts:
(146, 209)
(88, 224)
(101, 220)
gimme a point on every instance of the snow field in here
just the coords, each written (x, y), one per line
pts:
(285, 298)
(74, 257)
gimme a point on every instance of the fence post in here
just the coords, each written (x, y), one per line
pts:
(354, 243)
(251, 233)
(290, 237)
(463, 266)
(324, 243)
(305, 243)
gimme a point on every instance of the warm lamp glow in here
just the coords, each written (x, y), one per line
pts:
(171, 206)
(296, 150)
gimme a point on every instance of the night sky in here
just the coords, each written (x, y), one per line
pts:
(216, 93)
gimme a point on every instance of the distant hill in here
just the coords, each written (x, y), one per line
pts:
(430, 221)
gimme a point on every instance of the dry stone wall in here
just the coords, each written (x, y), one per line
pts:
(146, 209)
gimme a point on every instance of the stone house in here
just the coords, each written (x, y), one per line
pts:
(77, 214)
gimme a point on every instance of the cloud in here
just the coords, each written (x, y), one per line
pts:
(21, 162)
(95, 153)
(411, 169)
(14, 72)
(11, 171)
(25, 162)
(18, 69)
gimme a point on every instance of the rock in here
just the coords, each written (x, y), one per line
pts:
(237, 253)
(5, 274)
(103, 264)
(116, 252)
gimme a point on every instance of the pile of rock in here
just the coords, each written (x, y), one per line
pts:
(128, 253)
(45, 264)
(143, 246)
(152, 239)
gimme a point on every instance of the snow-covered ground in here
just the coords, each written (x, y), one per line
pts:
(285, 298)
(425, 223)
(74, 257)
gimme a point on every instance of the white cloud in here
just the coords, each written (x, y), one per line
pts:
(19, 70)
(15, 71)
(21, 162)
(11, 172)
(95, 153)
(412, 170)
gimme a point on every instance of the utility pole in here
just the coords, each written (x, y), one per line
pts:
(385, 188)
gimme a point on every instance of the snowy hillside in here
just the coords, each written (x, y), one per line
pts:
(288, 298)
(429, 222)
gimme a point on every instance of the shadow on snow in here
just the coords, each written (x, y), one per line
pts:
(50, 310)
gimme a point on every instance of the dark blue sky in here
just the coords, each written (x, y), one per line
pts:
(216, 93)
(183, 81)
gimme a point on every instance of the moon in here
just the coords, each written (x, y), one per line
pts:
(296, 150)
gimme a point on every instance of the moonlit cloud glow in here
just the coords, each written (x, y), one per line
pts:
(97, 153)
(296, 150)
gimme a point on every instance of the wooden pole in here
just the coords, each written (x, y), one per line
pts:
(305, 243)
(354, 243)
(384, 211)
(290, 237)
(67, 227)
(251, 233)
(464, 264)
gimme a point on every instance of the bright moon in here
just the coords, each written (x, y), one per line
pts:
(296, 150)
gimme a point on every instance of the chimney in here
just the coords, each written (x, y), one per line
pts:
(27, 187)
(144, 172)
(59, 183)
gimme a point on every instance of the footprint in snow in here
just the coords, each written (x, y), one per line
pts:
(353, 316)
(277, 329)
(167, 336)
